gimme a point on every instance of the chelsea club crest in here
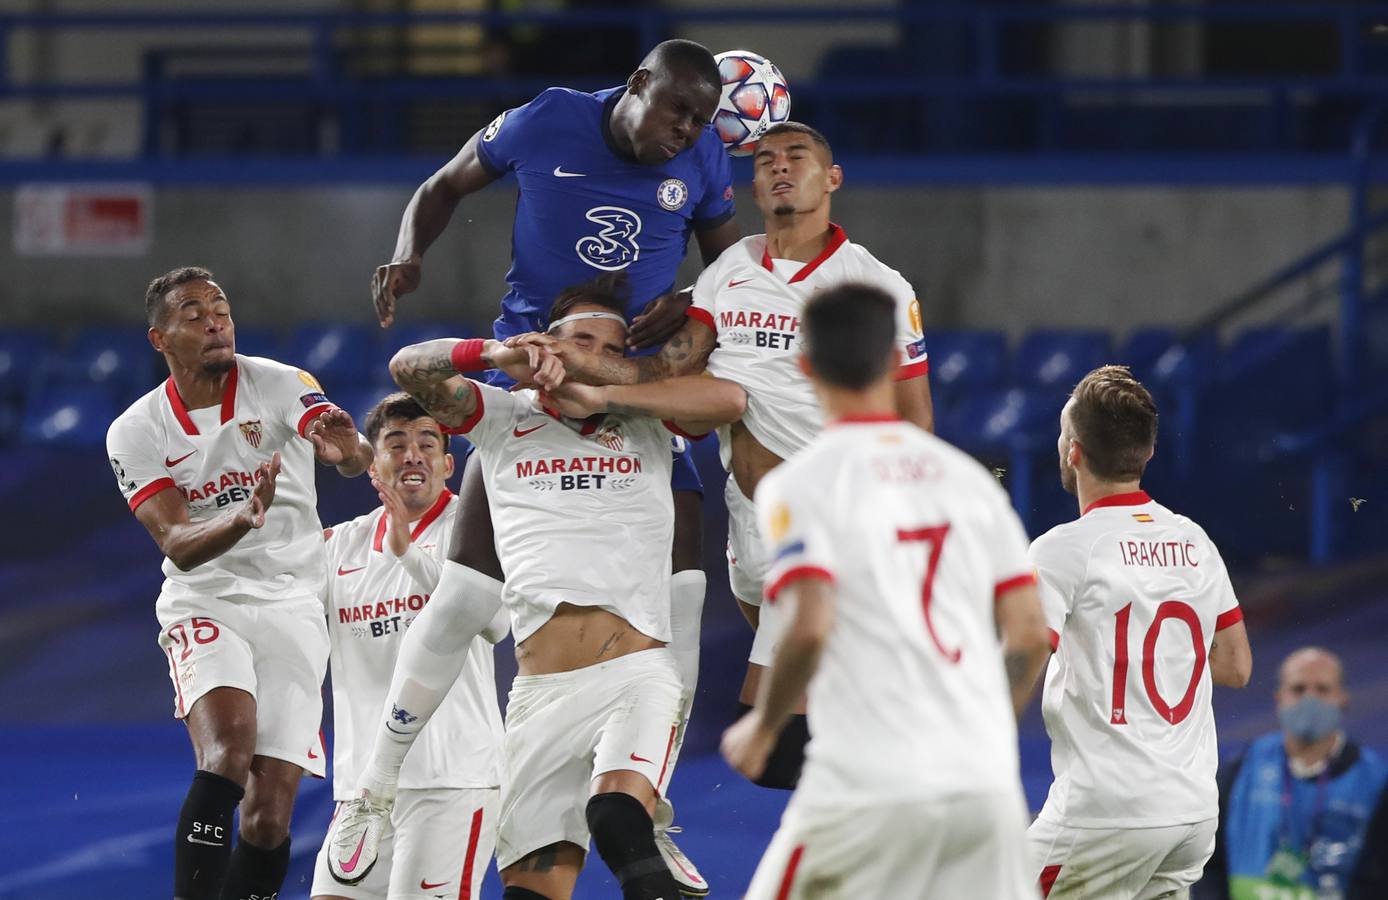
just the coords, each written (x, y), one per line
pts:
(672, 193)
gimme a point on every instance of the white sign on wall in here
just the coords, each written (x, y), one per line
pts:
(83, 219)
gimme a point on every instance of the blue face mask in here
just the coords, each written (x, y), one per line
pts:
(1309, 719)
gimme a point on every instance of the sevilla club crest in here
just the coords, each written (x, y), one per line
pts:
(610, 436)
(251, 432)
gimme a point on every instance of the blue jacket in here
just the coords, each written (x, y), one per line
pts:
(1340, 821)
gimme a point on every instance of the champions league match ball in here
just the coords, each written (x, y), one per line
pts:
(755, 97)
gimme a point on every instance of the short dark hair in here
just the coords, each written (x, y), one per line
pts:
(849, 334)
(609, 291)
(685, 57)
(159, 288)
(1115, 421)
(813, 134)
(399, 405)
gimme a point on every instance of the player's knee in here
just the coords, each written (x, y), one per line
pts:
(266, 825)
(228, 755)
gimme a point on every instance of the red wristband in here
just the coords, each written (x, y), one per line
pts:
(467, 355)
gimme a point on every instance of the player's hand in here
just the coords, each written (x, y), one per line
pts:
(252, 512)
(390, 282)
(577, 401)
(658, 322)
(398, 532)
(529, 364)
(334, 436)
(747, 744)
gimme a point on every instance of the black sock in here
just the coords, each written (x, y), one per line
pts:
(202, 844)
(520, 893)
(256, 874)
(625, 836)
(787, 757)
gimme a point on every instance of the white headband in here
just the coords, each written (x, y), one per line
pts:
(586, 315)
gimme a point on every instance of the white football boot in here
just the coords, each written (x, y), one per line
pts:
(356, 836)
(685, 873)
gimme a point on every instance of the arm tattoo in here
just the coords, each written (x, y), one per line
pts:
(684, 354)
(541, 860)
(424, 371)
(423, 364)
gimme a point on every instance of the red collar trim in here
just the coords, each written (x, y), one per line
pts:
(1136, 498)
(180, 409)
(866, 419)
(837, 238)
(424, 522)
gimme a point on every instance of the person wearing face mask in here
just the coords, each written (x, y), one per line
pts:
(1304, 811)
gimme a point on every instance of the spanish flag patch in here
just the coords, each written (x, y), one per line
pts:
(1142, 517)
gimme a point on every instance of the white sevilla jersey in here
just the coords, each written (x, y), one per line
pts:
(918, 539)
(581, 509)
(1133, 595)
(370, 600)
(753, 303)
(210, 456)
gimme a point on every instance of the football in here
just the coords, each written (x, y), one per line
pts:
(755, 97)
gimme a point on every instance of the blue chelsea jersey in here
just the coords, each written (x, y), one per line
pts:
(585, 210)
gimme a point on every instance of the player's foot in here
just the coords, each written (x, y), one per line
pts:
(685, 873)
(356, 836)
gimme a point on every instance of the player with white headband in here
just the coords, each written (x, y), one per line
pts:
(584, 537)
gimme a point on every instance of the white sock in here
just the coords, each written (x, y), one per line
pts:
(686, 620)
(432, 656)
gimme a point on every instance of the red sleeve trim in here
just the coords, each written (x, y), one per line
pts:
(912, 370)
(675, 429)
(1055, 639)
(312, 413)
(1016, 581)
(796, 573)
(1232, 617)
(472, 420)
(699, 314)
(150, 490)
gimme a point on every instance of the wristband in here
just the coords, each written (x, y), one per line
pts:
(467, 355)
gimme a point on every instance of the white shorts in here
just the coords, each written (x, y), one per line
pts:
(438, 844)
(276, 652)
(746, 561)
(564, 730)
(954, 848)
(1121, 863)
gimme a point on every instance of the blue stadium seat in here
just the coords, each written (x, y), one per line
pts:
(1158, 358)
(251, 341)
(966, 359)
(989, 419)
(338, 355)
(1057, 360)
(68, 416)
(358, 402)
(21, 352)
(118, 360)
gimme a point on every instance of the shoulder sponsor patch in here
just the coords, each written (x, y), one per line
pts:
(914, 312)
(728, 192)
(494, 127)
(309, 380)
(313, 399)
(916, 349)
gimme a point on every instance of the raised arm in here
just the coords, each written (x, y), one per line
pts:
(426, 216)
(430, 372)
(189, 544)
(696, 404)
(1025, 641)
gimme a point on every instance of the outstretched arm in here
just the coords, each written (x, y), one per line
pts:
(695, 404)
(430, 372)
(426, 216)
(686, 353)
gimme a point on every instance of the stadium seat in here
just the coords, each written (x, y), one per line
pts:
(21, 352)
(1159, 358)
(118, 360)
(1057, 360)
(68, 416)
(990, 419)
(966, 359)
(338, 355)
(252, 341)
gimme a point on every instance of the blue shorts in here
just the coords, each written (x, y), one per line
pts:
(684, 475)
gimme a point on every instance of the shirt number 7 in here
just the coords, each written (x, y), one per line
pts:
(935, 537)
